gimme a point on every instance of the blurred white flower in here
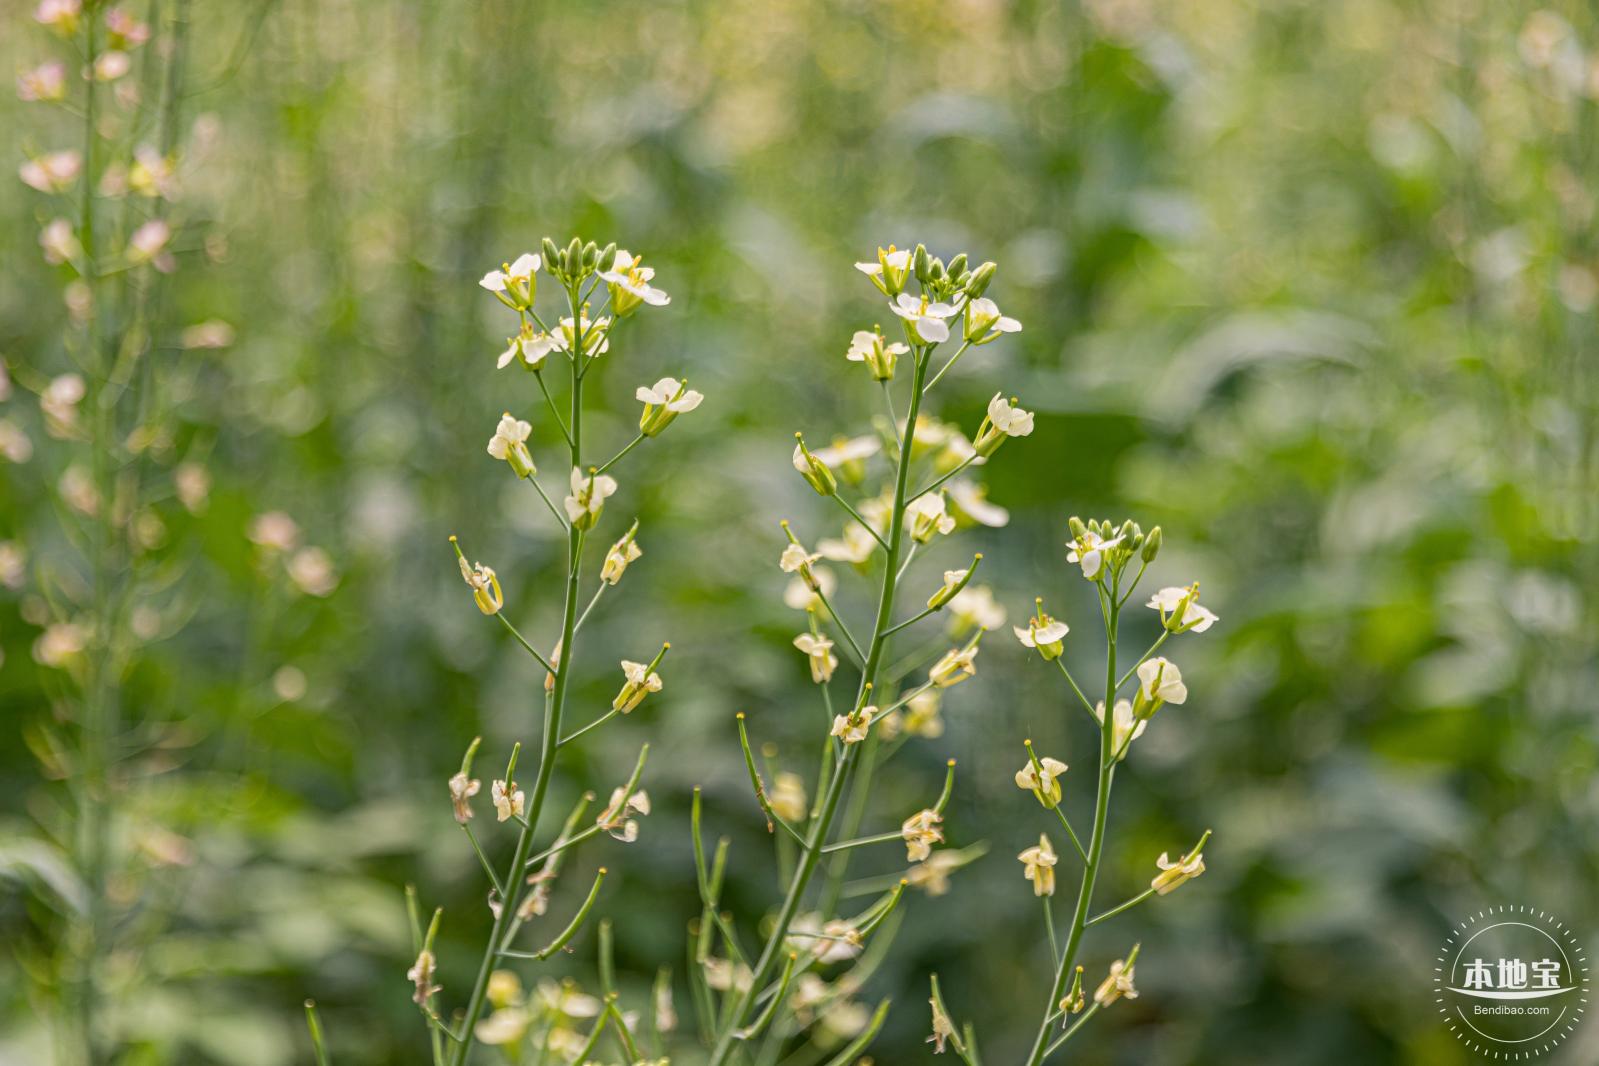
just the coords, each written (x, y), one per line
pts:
(44, 83)
(59, 645)
(788, 797)
(975, 605)
(311, 570)
(52, 172)
(856, 547)
(148, 241)
(504, 1027)
(971, 501)
(274, 531)
(59, 15)
(111, 65)
(928, 516)
(800, 596)
(59, 242)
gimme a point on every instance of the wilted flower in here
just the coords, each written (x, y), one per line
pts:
(46, 82)
(1159, 681)
(587, 500)
(641, 681)
(507, 798)
(851, 728)
(924, 320)
(1088, 551)
(890, 271)
(485, 587)
(620, 556)
(1038, 866)
(630, 286)
(1004, 420)
(796, 560)
(1044, 633)
(663, 403)
(617, 817)
(1173, 874)
(956, 666)
(872, 348)
(788, 797)
(1180, 610)
(515, 283)
(510, 444)
(819, 651)
(970, 500)
(52, 172)
(462, 789)
(421, 975)
(1117, 984)
(1042, 778)
(984, 323)
(920, 832)
(1125, 726)
(927, 517)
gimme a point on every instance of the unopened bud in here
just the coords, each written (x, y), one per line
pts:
(919, 264)
(1151, 545)
(1075, 524)
(957, 266)
(607, 257)
(978, 284)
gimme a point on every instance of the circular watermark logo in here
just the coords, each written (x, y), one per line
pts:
(1511, 982)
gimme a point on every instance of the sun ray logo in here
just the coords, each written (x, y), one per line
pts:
(1511, 982)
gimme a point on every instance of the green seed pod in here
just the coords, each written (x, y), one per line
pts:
(1151, 545)
(980, 279)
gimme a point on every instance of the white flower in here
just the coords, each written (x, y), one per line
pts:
(800, 595)
(617, 819)
(510, 444)
(971, 501)
(984, 323)
(641, 681)
(111, 65)
(1125, 727)
(975, 605)
(311, 570)
(1004, 420)
(724, 976)
(530, 346)
(596, 335)
(1173, 874)
(46, 82)
(872, 348)
(148, 241)
(1043, 633)
(926, 320)
(848, 456)
(816, 473)
(123, 30)
(1161, 682)
(856, 547)
(587, 499)
(59, 15)
(507, 798)
(1119, 983)
(788, 797)
(58, 241)
(621, 554)
(663, 403)
(1038, 866)
(928, 516)
(796, 560)
(485, 586)
(463, 789)
(514, 283)
(851, 728)
(956, 666)
(1088, 551)
(1180, 610)
(629, 282)
(1042, 780)
(890, 271)
(920, 832)
(564, 998)
(52, 172)
(504, 1027)
(59, 645)
(819, 650)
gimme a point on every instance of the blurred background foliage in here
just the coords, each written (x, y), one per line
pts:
(1310, 284)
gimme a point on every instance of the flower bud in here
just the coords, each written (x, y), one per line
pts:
(813, 470)
(957, 266)
(552, 255)
(591, 255)
(622, 553)
(954, 581)
(607, 257)
(1151, 545)
(920, 265)
(1075, 524)
(572, 258)
(978, 283)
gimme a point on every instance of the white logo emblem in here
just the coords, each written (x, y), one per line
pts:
(1511, 982)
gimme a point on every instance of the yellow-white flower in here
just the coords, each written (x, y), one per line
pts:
(111, 65)
(620, 555)
(1159, 681)
(530, 345)
(587, 500)
(596, 334)
(1042, 779)
(932, 876)
(788, 797)
(59, 15)
(58, 242)
(506, 1026)
(123, 31)
(148, 241)
(641, 681)
(890, 271)
(46, 82)
(723, 975)
(1004, 420)
(848, 455)
(1043, 633)
(851, 728)
(510, 444)
(1173, 874)
(505, 988)
(872, 348)
(1117, 984)
(796, 560)
(819, 651)
(462, 789)
(485, 586)
(970, 501)
(1180, 610)
(984, 323)
(564, 998)
(663, 402)
(920, 832)
(1125, 726)
(927, 516)
(1038, 866)
(975, 606)
(925, 320)
(507, 798)
(514, 283)
(1088, 551)
(956, 666)
(954, 581)
(630, 286)
(815, 472)
(855, 548)
(617, 818)
(52, 172)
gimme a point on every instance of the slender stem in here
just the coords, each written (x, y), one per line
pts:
(1129, 905)
(958, 353)
(1067, 1035)
(838, 619)
(601, 720)
(935, 486)
(613, 459)
(822, 824)
(1153, 648)
(1049, 926)
(494, 878)
(531, 650)
(538, 375)
(1107, 771)
(913, 620)
(1067, 825)
(860, 842)
(571, 927)
(585, 615)
(893, 421)
(532, 479)
(867, 525)
(1089, 707)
